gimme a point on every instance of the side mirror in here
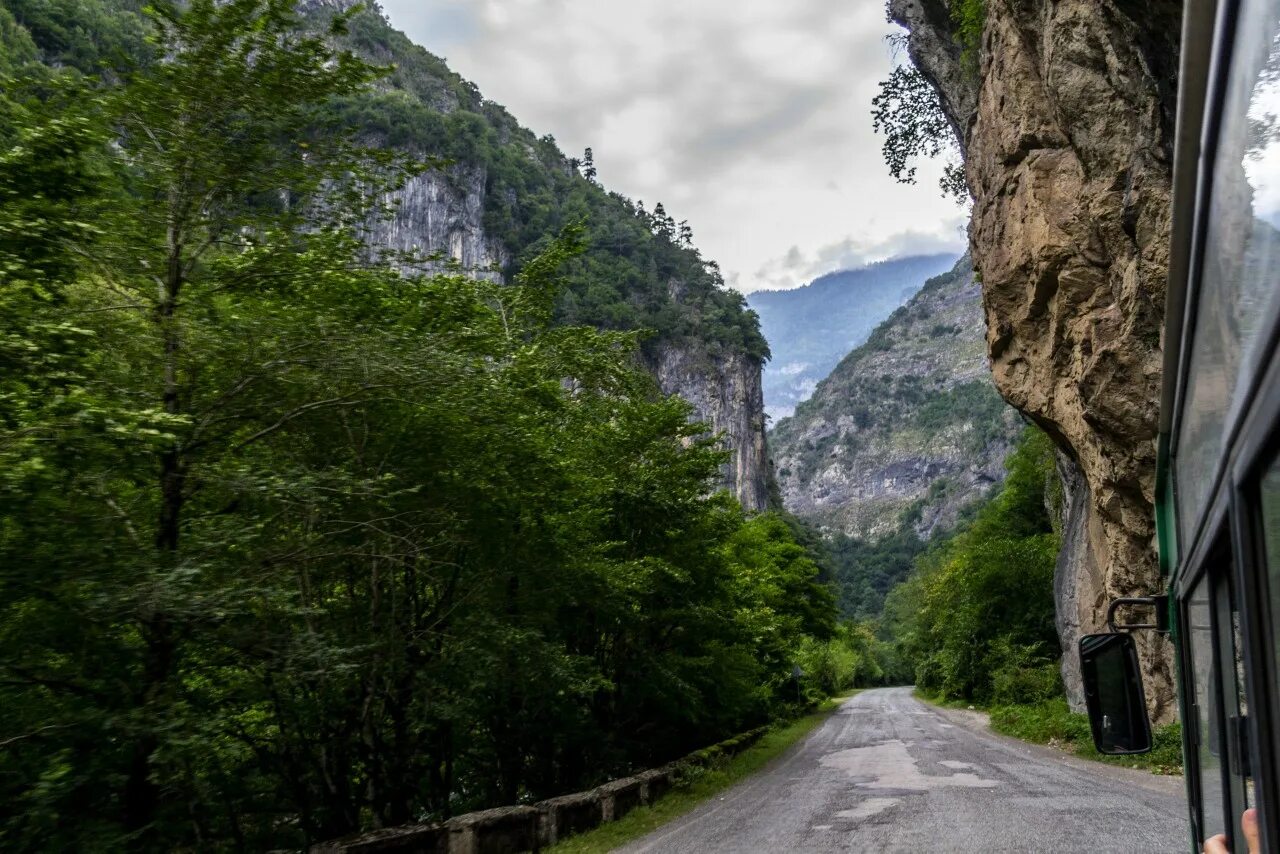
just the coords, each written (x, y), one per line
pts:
(1113, 694)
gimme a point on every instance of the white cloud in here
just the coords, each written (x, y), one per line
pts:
(749, 118)
(790, 369)
(797, 268)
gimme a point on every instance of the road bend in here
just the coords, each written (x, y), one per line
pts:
(887, 772)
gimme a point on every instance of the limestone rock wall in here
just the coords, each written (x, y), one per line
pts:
(1065, 119)
(726, 392)
(443, 212)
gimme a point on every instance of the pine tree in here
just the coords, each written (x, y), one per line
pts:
(686, 233)
(663, 224)
(589, 165)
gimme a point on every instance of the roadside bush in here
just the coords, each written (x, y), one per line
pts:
(1052, 722)
(1023, 674)
(853, 658)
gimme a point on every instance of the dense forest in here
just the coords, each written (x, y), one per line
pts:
(299, 538)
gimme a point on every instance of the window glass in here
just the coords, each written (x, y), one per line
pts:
(1235, 703)
(1208, 729)
(1246, 796)
(1271, 538)
(1242, 254)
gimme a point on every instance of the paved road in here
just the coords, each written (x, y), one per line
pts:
(889, 773)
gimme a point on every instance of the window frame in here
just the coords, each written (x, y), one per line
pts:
(1257, 451)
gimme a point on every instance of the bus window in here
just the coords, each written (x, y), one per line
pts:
(1207, 729)
(1241, 259)
(1270, 502)
(1234, 703)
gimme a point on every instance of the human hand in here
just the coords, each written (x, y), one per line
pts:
(1248, 828)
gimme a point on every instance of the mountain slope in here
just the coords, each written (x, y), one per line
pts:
(503, 195)
(811, 328)
(907, 429)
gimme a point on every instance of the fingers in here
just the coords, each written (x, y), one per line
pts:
(1216, 845)
(1249, 827)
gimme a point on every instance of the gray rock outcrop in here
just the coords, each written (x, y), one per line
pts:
(725, 391)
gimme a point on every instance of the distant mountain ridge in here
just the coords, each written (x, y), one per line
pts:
(811, 328)
(908, 428)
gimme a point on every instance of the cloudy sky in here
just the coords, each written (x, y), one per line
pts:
(749, 118)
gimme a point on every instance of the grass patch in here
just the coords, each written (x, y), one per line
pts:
(1052, 723)
(703, 784)
(944, 702)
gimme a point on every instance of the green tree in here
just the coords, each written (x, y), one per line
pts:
(977, 611)
(297, 540)
(907, 111)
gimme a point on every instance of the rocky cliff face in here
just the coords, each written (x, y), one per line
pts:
(907, 429)
(443, 212)
(1065, 126)
(725, 391)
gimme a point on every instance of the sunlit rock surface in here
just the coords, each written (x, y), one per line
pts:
(1065, 118)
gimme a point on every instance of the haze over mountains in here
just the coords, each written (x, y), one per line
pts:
(810, 329)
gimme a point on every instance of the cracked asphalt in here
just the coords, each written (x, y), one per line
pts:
(887, 773)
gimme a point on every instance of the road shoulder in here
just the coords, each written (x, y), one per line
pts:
(979, 723)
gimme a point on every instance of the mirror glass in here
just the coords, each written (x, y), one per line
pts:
(1113, 694)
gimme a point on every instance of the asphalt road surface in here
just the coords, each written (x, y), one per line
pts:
(889, 773)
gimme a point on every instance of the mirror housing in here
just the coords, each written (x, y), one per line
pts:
(1113, 694)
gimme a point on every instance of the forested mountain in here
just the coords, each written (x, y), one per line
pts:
(905, 433)
(505, 191)
(303, 531)
(495, 197)
(811, 328)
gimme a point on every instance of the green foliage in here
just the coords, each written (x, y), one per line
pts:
(943, 330)
(293, 543)
(853, 658)
(866, 570)
(975, 618)
(1022, 674)
(91, 36)
(907, 111)
(967, 20)
(1052, 722)
(17, 50)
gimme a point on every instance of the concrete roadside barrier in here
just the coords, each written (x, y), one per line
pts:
(517, 829)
